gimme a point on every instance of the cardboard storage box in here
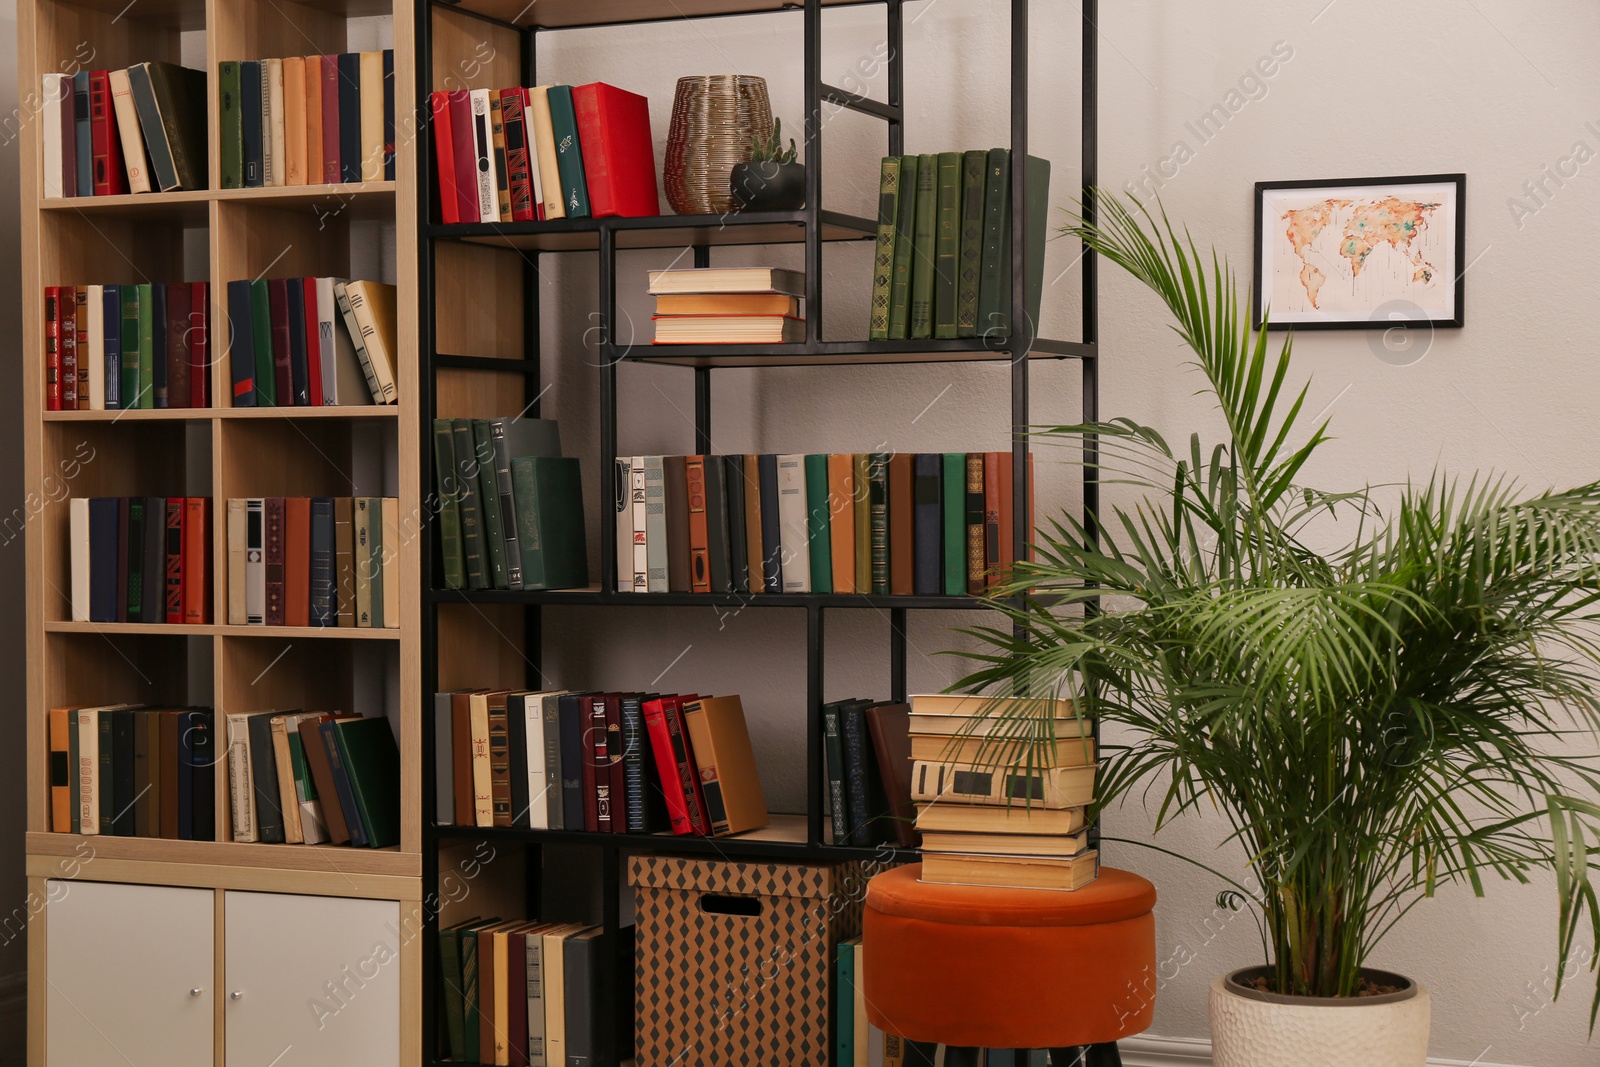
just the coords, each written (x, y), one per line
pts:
(735, 960)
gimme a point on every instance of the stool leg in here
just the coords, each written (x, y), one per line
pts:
(920, 1053)
(1086, 1056)
(962, 1057)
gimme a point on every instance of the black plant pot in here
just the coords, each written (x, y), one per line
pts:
(769, 186)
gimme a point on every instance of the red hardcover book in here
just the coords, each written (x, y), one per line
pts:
(655, 722)
(110, 178)
(444, 159)
(272, 557)
(81, 300)
(313, 342)
(699, 550)
(615, 765)
(520, 178)
(688, 774)
(619, 161)
(197, 560)
(174, 557)
(330, 120)
(466, 155)
(991, 519)
(199, 355)
(594, 738)
(1008, 515)
(278, 311)
(52, 348)
(67, 311)
(177, 354)
(297, 561)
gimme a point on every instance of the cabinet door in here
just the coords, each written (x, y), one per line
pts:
(130, 972)
(311, 981)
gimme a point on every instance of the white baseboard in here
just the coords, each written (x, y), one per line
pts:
(1147, 1051)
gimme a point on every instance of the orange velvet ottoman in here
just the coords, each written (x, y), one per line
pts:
(985, 967)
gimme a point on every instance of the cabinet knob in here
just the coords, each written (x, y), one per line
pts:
(196, 991)
(237, 994)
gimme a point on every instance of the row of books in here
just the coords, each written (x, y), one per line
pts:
(994, 809)
(547, 152)
(313, 778)
(128, 770)
(866, 750)
(140, 129)
(314, 561)
(943, 262)
(140, 559)
(524, 993)
(728, 305)
(928, 524)
(307, 120)
(640, 763)
(118, 347)
(510, 505)
(287, 347)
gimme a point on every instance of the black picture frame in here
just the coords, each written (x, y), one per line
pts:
(1370, 320)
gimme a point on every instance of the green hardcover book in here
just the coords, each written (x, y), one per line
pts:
(924, 229)
(107, 799)
(863, 512)
(450, 988)
(845, 1025)
(231, 125)
(444, 460)
(953, 517)
(548, 491)
(372, 763)
(947, 245)
(473, 552)
(261, 340)
(905, 223)
(819, 527)
(878, 488)
(130, 384)
(569, 152)
(883, 263)
(494, 534)
(468, 938)
(374, 511)
(1038, 213)
(973, 168)
(994, 286)
(147, 346)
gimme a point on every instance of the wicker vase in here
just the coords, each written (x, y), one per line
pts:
(715, 120)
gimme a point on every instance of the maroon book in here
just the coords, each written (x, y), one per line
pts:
(67, 309)
(517, 997)
(593, 739)
(278, 312)
(890, 727)
(177, 354)
(694, 796)
(313, 342)
(465, 148)
(199, 350)
(330, 120)
(519, 153)
(273, 558)
(109, 176)
(197, 560)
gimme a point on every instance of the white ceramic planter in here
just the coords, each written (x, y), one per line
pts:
(1253, 1029)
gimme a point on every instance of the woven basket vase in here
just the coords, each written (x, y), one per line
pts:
(715, 120)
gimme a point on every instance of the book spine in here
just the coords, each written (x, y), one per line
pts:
(472, 541)
(132, 542)
(231, 126)
(992, 498)
(322, 595)
(88, 772)
(953, 522)
(67, 311)
(241, 792)
(273, 560)
(947, 245)
(341, 782)
(349, 104)
(52, 348)
(199, 338)
(241, 352)
(544, 151)
(252, 144)
(718, 556)
(314, 170)
(687, 777)
(157, 356)
(699, 547)
(574, 190)
(110, 179)
(127, 132)
(389, 156)
(977, 561)
(905, 225)
(554, 808)
(924, 247)
(162, 167)
(833, 750)
(994, 289)
(771, 526)
(502, 176)
(600, 756)
(446, 484)
(174, 560)
(661, 749)
(332, 141)
(494, 538)
(518, 164)
(633, 756)
(927, 524)
(369, 96)
(284, 385)
(639, 505)
(623, 518)
(856, 759)
(295, 335)
(878, 495)
(369, 342)
(84, 143)
(365, 528)
(973, 166)
(655, 494)
(308, 328)
(111, 323)
(738, 530)
(499, 761)
(819, 532)
(883, 262)
(176, 354)
(104, 817)
(483, 155)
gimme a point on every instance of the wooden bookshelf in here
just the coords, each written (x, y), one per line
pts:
(218, 235)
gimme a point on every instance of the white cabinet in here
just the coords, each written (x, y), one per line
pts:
(311, 981)
(130, 971)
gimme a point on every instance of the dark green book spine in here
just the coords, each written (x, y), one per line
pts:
(147, 346)
(261, 334)
(973, 166)
(548, 492)
(450, 988)
(74, 775)
(469, 992)
(878, 482)
(819, 525)
(472, 547)
(444, 461)
(1038, 209)
(130, 347)
(569, 152)
(994, 282)
(135, 560)
(833, 750)
(954, 516)
(883, 263)
(232, 125)
(947, 245)
(905, 223)
(107, 808)
(924, 230)
(494, 535)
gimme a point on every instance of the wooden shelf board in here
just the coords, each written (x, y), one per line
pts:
(133, 415)
(570, 14)
(328, 868)
(660, 231)
(593, 596)
(343, 411)
(186, 206)
(335, 633)
(355, 200)
(113, 628)
(844, 353)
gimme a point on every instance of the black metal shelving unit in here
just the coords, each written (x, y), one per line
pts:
(797, 837)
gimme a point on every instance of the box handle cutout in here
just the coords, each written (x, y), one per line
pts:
(724, 904)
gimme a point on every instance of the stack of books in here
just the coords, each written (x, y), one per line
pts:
(929, 524)
(610, 763)
(312, 342)
(728, 305)
(313, 778)
(525, 993)
(127, 770)
(867, 749)
(314, 561)
(510, 505)
(118, 347)
(140, 559)
(307, 120)
(543, 153)
(943, 262)
(140, 130)
(987, 818)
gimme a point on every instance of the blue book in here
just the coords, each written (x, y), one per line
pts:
(388, 114)
(158, 345)
(250, 123)
(112, 298)
(844, 1027)
(771, 529)
(350, 116)
(80, 114)
(103, 578)
(299, 371)
(241, 344)
(322, 547)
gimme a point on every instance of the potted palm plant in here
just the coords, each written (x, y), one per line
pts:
(1375, 722)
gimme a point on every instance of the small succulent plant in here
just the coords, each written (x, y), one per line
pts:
(771, 150)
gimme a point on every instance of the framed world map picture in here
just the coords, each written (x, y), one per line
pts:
(1360, 253)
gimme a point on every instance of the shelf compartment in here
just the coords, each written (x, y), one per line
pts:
(593, 596)
(266, 456)
(578, 14)
(660, 231)
(845, 353)
(482, 645)
(107, 663)
(336, 860)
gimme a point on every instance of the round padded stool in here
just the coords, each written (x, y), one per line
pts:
(986, 967)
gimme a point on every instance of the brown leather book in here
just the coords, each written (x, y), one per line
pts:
(752, 520)
(991, 519)
(168, 724)
(493, 977)
(726, 764)
(297, 561)
(322, 775)
(890, 726)
(294, 119)
(344, 570)
(314, 120)
(842, 520)
(675, 469)
(499, 757)
(461, 754)
(902, 570)
(694, 476)
(179, 389)
(147, 775)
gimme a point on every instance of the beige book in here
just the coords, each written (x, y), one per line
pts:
(501, 939)
(1001, 752)
(373, 307)
(288, 801)
(970, 706)
(972, 726)
(862, 1036)
(482, 775)
(372, 116)
(1019, 872)
(544, 142)
(1066, 787)
(128, 130)
(555, 992)
(361, 562)
(1017, 819)
(389, 573)
(294, 120)
(236, 561)
(277, 148)
(1055, 845)
(240, 784)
